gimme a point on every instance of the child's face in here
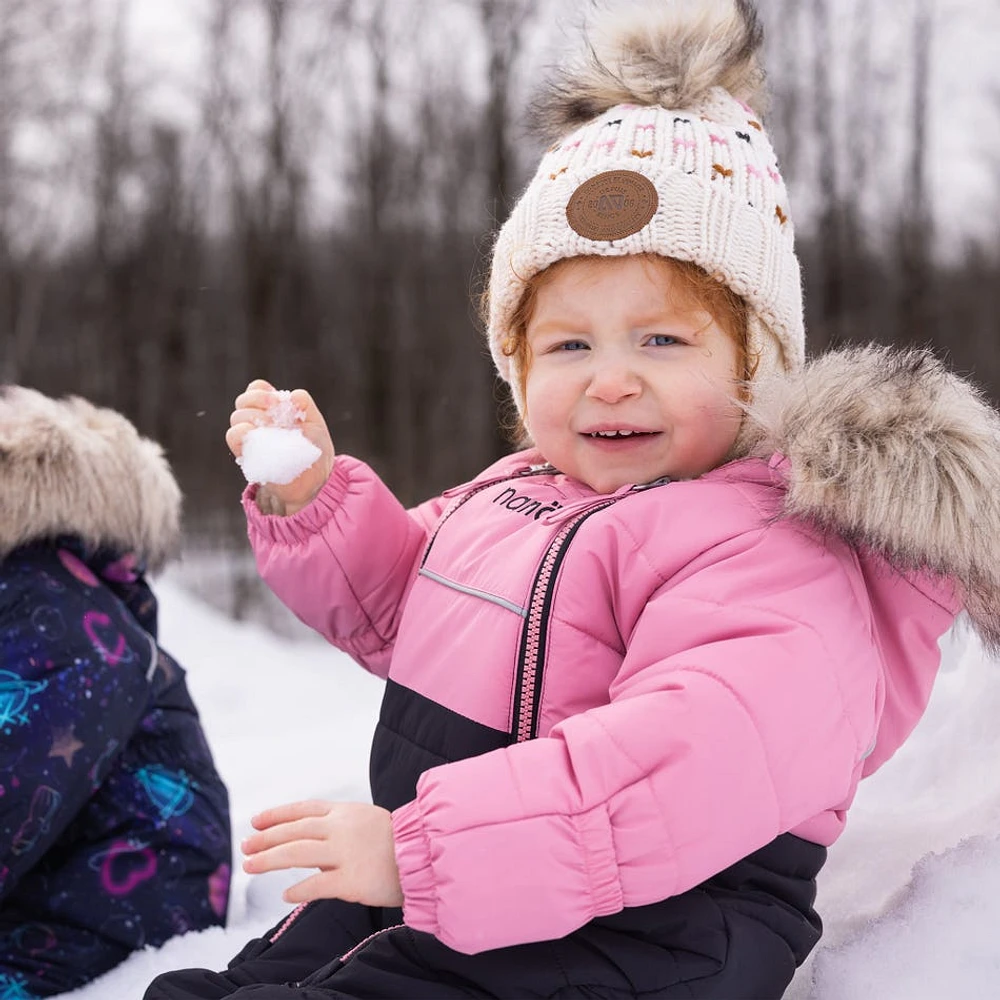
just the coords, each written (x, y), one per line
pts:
(614, 347)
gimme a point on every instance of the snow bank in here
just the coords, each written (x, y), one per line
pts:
(910, 896)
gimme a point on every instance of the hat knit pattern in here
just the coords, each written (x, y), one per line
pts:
(667, 93)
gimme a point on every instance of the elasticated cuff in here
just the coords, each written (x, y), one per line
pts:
(303, 524)
(416, 877)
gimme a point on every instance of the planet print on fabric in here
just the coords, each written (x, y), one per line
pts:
(48, 623)
(15, 694)
(169, 791)
(13, 988)
(35, 939)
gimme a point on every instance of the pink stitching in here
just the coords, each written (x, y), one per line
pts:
(367, 940)
(292, 917)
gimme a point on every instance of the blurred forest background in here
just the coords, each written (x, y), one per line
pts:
(313, 202)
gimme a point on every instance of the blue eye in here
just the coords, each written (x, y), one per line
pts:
(663, 340)
(572, 345)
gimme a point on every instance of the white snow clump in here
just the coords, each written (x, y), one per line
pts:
(278, 452)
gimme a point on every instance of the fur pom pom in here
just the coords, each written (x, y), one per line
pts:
(657, 52)
(891, 450)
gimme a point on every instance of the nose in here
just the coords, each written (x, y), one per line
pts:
(614, 380)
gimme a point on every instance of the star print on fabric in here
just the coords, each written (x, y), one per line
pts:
(65, 745)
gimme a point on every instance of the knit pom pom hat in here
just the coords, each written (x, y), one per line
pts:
(660, 149)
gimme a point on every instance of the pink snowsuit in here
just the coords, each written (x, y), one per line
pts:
(610, 699)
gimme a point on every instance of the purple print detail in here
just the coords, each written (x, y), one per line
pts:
(139, 864)
(123, 570)
(80, 570)
(93, 620)
(218, 890)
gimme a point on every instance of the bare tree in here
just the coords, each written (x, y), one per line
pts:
(916, 223)
(831, 288)
(43, 44)
(503, 25)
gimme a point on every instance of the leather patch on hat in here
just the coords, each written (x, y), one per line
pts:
(612, 205)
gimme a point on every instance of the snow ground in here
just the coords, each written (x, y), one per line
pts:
(910, 896)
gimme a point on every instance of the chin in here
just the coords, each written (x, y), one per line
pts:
(603, 484)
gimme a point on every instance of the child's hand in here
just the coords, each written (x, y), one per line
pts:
(350, 842)
(250, 411)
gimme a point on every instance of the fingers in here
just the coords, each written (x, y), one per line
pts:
(259, 383)
(258, 399)
(322, 885)
(312, 828)
(295, 854)
(235, 436)
(290, 812)
(305, 403)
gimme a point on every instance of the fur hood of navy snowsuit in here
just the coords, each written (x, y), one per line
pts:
(114, 823)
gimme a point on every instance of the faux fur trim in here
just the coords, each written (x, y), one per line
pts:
(891, 450)
(669, 53)
(70, 468)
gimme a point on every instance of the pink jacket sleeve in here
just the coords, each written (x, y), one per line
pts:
(345, 562)
(736, 716)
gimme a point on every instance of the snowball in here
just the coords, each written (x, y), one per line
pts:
(276, 451)
(276, 455)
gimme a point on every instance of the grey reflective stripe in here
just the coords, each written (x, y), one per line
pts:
(492, 598)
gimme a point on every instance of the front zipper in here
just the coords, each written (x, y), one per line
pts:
(531, 657)
(534, 635)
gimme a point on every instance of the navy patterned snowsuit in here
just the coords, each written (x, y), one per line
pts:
(114, 824)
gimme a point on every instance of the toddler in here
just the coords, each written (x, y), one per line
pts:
(635, 671)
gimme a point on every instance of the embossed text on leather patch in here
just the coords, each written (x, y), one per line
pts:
(612, 205)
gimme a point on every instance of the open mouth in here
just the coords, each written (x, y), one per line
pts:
(620, 435)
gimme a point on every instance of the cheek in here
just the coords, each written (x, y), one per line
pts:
(545, 398)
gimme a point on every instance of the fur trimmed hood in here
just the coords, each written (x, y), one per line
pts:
(70, 468)
(894, 452)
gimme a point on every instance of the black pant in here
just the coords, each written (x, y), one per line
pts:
(738, 936)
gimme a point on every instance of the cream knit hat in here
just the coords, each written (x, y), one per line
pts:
(660, 151)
